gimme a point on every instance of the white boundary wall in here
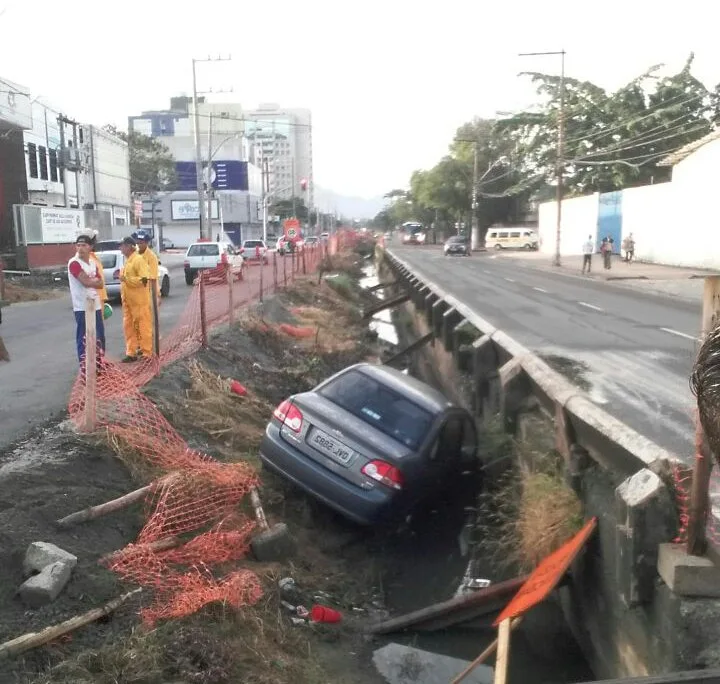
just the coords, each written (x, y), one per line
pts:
(579, 219)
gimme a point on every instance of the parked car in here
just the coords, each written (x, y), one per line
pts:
(167, 243)
(457, 244)
(113, 262)
(107, 245)
(370, 442)
(312, 241)
(324, 237)
(254, 250)
(202, 255)
(285, 246)
(511, 238)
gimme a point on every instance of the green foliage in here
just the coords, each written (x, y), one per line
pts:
(612, 140)
(287, 208)
(152, 166)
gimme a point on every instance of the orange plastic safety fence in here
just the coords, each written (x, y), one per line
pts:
(196, 500)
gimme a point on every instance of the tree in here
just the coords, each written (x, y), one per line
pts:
(284, 209)
(152, 166)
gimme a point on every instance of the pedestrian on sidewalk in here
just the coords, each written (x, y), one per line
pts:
(137, 321)
(85, 283)
(606, 249)
(588, 249)
(629, 248)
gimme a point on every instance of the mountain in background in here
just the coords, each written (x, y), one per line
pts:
(351, 207)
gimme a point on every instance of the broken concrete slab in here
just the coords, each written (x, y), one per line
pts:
(45, 587)
(41, 554)
(687, 575)
(400, 664)
(274, 545)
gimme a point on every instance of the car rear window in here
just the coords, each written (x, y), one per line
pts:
(253, 243)
(456, 239)
(203, 250)
(107, 260)
(385, 409)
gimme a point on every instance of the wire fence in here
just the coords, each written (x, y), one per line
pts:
(194, 524)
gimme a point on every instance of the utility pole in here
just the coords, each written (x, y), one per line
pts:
(560, 159)
(208, 179)
(196, 133)
(293, 181)
(265, 193)
(61, 126)
(475, 229)
(77, 167)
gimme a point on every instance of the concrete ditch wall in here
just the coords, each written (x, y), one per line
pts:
(625, 618)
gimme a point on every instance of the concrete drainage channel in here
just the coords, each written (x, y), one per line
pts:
(434, 565)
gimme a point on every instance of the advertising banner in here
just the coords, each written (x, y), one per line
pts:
(189, 210)
(61, 225)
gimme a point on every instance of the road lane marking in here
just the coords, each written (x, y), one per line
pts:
(510, 280)
(680, 334)
(539, 289)
(590, 306)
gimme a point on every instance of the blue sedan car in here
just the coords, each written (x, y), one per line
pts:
(371, 443)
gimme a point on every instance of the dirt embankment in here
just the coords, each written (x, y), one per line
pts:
(56, 472)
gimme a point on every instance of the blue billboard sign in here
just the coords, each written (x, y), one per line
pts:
(226, 175)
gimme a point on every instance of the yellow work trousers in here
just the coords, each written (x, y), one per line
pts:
(138, 327)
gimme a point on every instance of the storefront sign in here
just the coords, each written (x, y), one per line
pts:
(188, 210)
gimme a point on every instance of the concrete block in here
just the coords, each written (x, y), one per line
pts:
(451, 319)
(45, 587)
(274, 545)
(437, 313)
(644, 514)
(688, 575)
(41, 554)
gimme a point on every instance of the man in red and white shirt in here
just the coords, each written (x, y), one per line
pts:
(85, 283)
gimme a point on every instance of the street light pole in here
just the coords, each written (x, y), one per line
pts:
(475, 230)
(560, 160)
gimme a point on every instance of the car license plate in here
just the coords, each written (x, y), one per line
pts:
(325, 444)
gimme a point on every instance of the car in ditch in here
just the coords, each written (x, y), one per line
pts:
(113, 261)
(457, 245)
(371, 442)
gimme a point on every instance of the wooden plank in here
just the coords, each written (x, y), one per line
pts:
(90, 366)
(409, 349)
(503, 652)
(483, 656)
(386, 304)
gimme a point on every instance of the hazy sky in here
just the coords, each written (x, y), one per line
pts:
(388, 81)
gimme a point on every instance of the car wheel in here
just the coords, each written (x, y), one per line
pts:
(189, 277)
(498, 247)
(165, 287)
(528, 247)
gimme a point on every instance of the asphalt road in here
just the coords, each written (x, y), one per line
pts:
(40, 337)
(631, 350)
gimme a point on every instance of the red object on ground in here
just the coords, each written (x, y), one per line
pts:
(294, 331)
(237, 388)
(325, 614)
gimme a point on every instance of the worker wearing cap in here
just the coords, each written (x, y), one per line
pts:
(85, 284)
(137, 321)
(152, 263)
(98, 264)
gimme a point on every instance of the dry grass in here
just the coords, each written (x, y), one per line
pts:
(530, 513)
(15, 294)
(236, 423)
(141, 470)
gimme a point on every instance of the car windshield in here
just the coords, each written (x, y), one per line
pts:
(455, 240)
(377, 405)
(207, 249)
(107, 260)
(253, 243)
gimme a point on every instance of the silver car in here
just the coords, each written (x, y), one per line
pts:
(113, 263)
(371, 442)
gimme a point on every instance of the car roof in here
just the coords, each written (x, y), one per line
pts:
(420, 393)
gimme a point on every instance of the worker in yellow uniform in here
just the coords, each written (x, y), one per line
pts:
(137, 321)
(152, 263)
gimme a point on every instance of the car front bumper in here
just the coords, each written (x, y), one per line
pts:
(363, 506)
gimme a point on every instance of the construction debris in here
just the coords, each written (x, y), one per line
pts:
(41, 554)
(45, 587)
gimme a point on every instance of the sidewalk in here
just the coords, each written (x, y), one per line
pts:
(683, 283)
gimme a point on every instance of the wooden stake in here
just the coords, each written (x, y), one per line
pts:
(159, 545)
(203, 313)
(262, 270)
(4, 356)
(231, 294)
(35, 639)
(700, 492)
(90, 366)
(503, 652)
(92, 512)
(156, 320)
(259, 513)
(483, 656)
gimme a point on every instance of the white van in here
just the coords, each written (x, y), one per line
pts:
(511, 238)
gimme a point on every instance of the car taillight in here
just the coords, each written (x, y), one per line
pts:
(116, 274)
(224, 258)
(186, 263)
(242, 250)
(385, 473)
(289, 414)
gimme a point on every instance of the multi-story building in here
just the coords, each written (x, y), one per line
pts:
(235, 181)
(55, 179)
(284, 137)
